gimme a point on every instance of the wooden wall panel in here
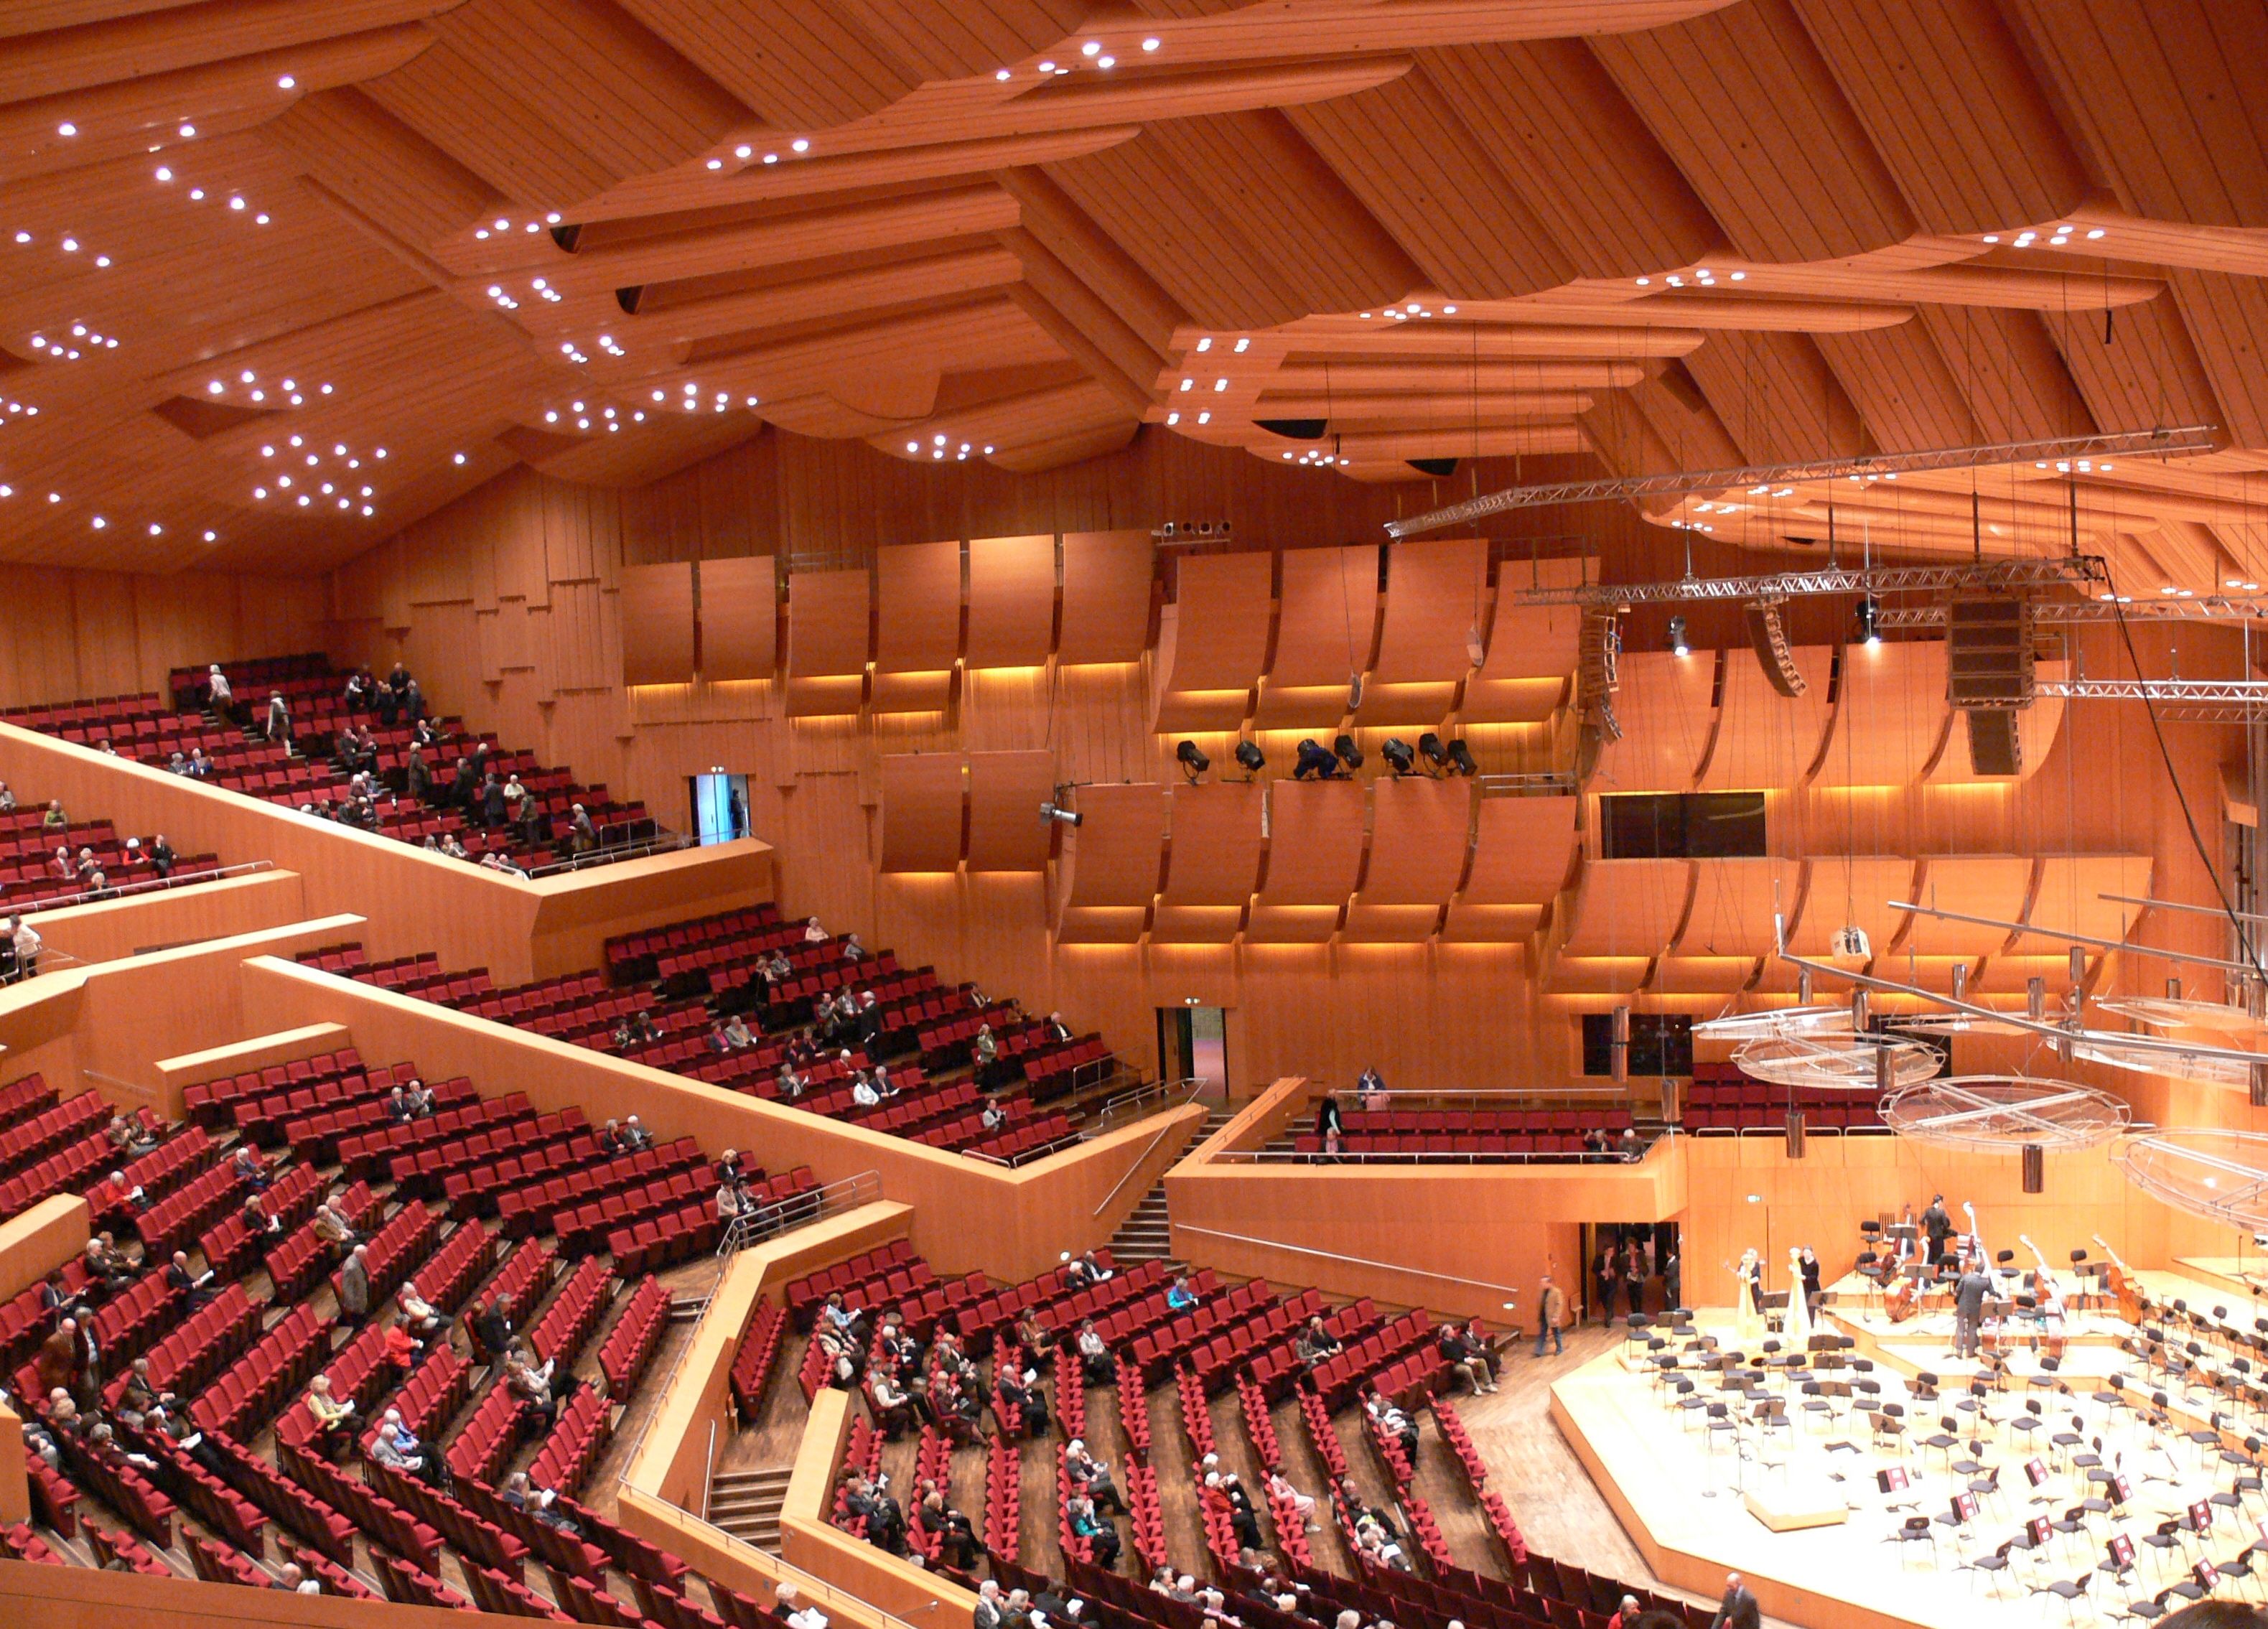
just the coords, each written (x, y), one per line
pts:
(1531, 649)
(1764, 739)
(1213, 641)
(740, 618)
(921, 807)
(1005, 789)
(1434, 605)
(655, 603)
(1418, 831)
(1111, 858)
(1627, 907)
(1322, 636)
(1012, 599)
(918, 625)
(1215, 857)
(1522, 850)
(1314, 854)
(1732, 905)
(1106, 596)
(1891, 718)
(826, 642)
(1975, 885)
(1667, 721)
(2067, 896)
(1847, 890)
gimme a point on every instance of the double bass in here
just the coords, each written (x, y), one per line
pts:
(2119, 1278)
(2050, 1301)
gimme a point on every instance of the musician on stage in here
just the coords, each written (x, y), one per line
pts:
(1968, 1310)
(1939, 1228)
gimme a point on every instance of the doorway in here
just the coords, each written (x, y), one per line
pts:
(1193, 1045)
(720, 806)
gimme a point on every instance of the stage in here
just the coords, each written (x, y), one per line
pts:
(1701, 1501)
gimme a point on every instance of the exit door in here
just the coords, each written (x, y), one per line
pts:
(1193, 1045)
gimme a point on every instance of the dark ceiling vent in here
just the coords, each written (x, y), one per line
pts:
(1293, 429)
(201, 420)
(1434, 466)
(565, 236)
(627, 298)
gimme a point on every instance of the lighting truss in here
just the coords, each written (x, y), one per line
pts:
(2188, 439)
(2202, 609)
(2070, 571)
(2181, 701)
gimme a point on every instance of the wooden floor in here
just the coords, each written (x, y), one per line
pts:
(1682, 1490)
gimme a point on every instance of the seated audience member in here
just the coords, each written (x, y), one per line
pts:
(55, 819)
(403, 1350)
(245, 1166)
(1179, 1296)
(582, 835)
(635, 1136)
(194, 1288)
(1095, 1360)
(522, 1494)
(1279, 1488)
(894, 1409)
(1466, 1360)
(335, 1417)
(425, 1321)
(492, 1328)
(386, 1449)
(1102, 1535)
(1023, 1393)
(1092, 1477)
(787, 1607)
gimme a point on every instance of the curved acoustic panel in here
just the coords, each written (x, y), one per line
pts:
(655, 604)
(1764, 739)
(922, 810)
(1106, 597)
(1890, 716)
(1419, 830)
(1212, 864)
(1012, 599)
(1314, 855)
(1627, 908)
(1433, 603)
(1733, 903)
(1212, 641)
(918, 625)
(1850, 890)
(2067, 897)
(1323, 626)
(1531, 649)
(826, 642)
(1005, 789)
(1975, 885)
(1663, 709)
(1110, 863)
(740, 618)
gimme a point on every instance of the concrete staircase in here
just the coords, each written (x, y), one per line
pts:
(746, 1505)
(1146, 1234)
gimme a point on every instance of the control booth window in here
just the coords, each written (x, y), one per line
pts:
(1661, 1043)
(1681, 825)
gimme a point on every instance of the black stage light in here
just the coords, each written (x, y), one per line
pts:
(1192, 763)
(1349, 753)
(1429, 747)
(1314, 760)
(1398, 754)
(1460, 758)
(1250, 757)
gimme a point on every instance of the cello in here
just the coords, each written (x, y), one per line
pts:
(2050, 1301)
(2119, 1278)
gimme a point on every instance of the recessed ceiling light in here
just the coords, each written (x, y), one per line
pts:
(286, 82)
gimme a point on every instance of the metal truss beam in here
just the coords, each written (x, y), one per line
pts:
(2188, 439)
(2067, 571)
(2202, 609)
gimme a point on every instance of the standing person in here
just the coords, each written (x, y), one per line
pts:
(1968, 1310)
(1551, 1313)
(26, 942)
(1602, 1271)
(1634, 1274)
(1738, 1610)
(1673, 1280)
(1809, 1271)
(354, 1287)
(1939, 1228)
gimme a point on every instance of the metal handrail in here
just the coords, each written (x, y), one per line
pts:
(605, 854)
(1125, 1176)
(1159, 1089)
(1472, 1156)
(828, 1198)
(123, 890)
(1352, 1261)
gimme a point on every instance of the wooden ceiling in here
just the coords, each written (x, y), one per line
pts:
(257, 257)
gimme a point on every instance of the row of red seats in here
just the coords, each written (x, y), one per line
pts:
(458, 1139)
(582, 1229)
(131, 1318)
(566, 1555)
(524, 1276)
(20, 1100)
(1466, 1121)
(574, 1445)
(217, 1564)
(1276, 1367)
(482, 1542)
(208, 1102)
(282, 1116)
(230, 1246)
(435, 1391)
(290, 1505)
(1341, 1375)
(755, 1358)
(629, 1345)
(180, 1216)
(862, 1272)
(484, 1442)
(671, 1237)
(116, 1551)
(448, 1275)
(532, 1209)
(625, 952)
(1018, 1143)
(191, 1353)
(367, 1149)
(507, 1153)
(406, 1239)
(244, 1397)
(508, 1597)
(76, 1168)
(574, 1312)
(210, 1499)
(23, 1144)
(1268, 1335)
(296, 1264)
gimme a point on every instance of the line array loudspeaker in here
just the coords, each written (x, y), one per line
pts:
(1996, 746)
(1598, 674)
(1769, 635)
(1988, 652)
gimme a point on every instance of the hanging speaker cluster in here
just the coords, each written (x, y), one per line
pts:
(1768, 633)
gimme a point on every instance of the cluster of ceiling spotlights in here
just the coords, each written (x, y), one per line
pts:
(1313, 761)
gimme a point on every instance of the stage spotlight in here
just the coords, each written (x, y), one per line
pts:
(1397, 753)
(1677, 636)
(1429, 747)
(1460, 758)
(1349, 753)
(1869, 615)
(1192, 763)
(1060, 817)
(1250, 757)
(1315, 761)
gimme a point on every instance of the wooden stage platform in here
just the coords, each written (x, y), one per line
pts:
(1700, 1503)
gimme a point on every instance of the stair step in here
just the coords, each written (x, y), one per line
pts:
(772, 1477)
